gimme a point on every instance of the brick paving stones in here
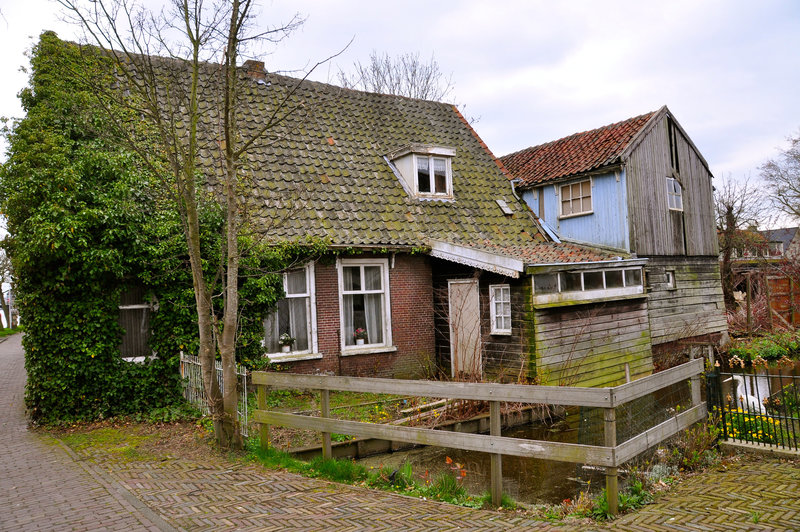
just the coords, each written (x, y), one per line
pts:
(45, 486)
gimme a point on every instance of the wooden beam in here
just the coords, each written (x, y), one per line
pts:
(625, 393)
(325, 411)
(496, 458)
(562, 452)
(511, 393)
(638, 444)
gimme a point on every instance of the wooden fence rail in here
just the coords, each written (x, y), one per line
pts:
(610, 456)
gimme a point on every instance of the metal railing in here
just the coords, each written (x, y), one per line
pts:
(761, 408)
(194, 392)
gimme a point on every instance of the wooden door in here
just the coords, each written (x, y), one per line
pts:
(465, 328)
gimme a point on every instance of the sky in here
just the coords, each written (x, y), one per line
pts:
(535, 71)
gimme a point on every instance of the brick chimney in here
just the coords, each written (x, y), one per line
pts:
(255, 69)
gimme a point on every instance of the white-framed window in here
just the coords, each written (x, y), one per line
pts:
(295, 315)
(364, 302)
(669, 279)
(674, 194)
(575, 198)
(434, 176)
(555, 287)
(500, 304)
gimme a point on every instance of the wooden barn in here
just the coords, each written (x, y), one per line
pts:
(639, 186)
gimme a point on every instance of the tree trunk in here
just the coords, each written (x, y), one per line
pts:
(6, 311)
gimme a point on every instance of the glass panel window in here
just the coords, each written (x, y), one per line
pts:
(423, 175)
(293, 316)
(674, 194)
(633, 277)
(500, 304)
(576, 198)
(614, 279)
(364, 302)
(433, 175)
(545, 283)
(571, 282)
(593, 280)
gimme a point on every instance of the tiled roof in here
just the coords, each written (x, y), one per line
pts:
(785, 235)
(324, 173)
(548, 252)
(578, 153)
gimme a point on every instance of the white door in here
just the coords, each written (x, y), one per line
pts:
(465, 328)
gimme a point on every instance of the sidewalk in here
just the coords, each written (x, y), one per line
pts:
(50, 487)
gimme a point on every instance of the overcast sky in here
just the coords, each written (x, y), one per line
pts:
(535, 71)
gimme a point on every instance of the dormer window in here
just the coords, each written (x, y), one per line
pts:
(433, 175)
(425, 171)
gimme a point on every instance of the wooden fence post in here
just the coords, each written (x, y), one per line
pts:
(612, 484)
(325, 412)
(262, 405)
(496, 458)
(768, 293)
(749, 304)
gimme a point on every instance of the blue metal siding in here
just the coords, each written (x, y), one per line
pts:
(606, 226)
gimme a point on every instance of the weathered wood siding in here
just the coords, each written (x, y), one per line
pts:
(589, 345)
(655, 229)
(504, 357)
(694, 307)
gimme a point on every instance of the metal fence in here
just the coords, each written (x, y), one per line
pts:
(761, 408)
(194, 392)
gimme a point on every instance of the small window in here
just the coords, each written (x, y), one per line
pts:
(576, 198)
(614, 279)
(633, 277)
(674, 194)
(365, 302)
(433, 175)
(500, 302)
(593, 281)
(545, 283)
(669, 278)
(293, 316)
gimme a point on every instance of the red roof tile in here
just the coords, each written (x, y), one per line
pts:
(578, 153)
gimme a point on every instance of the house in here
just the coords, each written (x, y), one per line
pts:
(431, 252)
(780, 243)
(642, 187)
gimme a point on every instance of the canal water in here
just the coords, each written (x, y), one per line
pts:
(535, 481)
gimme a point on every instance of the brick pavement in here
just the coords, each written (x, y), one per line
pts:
(99, 488)
(41, 486)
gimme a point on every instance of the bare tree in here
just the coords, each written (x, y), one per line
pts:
(403, 75)
(739, 209)
(782, 175)
(177, 72)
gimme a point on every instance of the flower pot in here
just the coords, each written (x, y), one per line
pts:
(286, 348)
(359, 341)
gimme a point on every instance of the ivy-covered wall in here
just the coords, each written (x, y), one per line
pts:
(85, 221)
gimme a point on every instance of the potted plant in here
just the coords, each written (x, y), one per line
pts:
(360, 335)
(286, 342)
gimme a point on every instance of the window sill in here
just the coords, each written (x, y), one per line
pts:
(562, 217)
(500, 333)
(368, 350)
(293, 357)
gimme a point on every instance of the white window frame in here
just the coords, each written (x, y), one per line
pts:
(674, 199)
(448, 193)
(494, 289)
(583, 294)
(669, 279)
(311, 311)
(386, 345)
(571, 199)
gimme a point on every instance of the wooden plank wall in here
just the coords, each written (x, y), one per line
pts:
(694, 307)
(655, 230)
(589, 345)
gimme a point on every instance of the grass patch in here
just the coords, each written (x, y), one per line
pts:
(446, 487)
(9, 332)
(109, 440)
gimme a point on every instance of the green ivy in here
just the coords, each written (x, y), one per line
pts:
(84, 224)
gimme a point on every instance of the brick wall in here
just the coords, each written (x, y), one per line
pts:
(411, 301)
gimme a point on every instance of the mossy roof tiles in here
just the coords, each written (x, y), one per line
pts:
(326, 162)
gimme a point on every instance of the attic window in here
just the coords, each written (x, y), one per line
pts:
(433, 175)
(424, 170)
(674, 194)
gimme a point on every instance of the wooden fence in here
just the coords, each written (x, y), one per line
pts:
(610, 456)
